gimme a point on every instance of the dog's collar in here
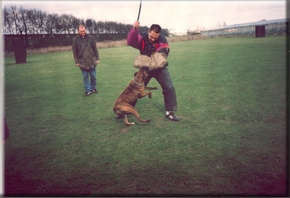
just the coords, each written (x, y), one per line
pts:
(140, 84)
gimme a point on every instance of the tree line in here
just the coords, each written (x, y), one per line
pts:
(18, 20)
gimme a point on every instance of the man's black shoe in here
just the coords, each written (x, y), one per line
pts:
(172, 117)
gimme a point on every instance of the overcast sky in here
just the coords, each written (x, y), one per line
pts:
(178, 16)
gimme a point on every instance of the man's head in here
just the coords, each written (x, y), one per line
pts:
(154, 33)
(82, 30)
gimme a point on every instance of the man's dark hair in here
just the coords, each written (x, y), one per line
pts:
(155, 28)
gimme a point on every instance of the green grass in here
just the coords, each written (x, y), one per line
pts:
(231, 139)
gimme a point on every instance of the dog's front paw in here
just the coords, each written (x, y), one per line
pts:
(150, 95)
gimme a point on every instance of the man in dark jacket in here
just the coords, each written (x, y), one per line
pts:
(86, 57)
(149, 43)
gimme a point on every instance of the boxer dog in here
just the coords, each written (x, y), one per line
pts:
(135, 90)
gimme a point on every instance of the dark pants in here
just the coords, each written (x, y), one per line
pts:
(163, 78)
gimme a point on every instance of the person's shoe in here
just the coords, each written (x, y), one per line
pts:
(95, 91)
(119, 116)
(87, 94)
(172, 117)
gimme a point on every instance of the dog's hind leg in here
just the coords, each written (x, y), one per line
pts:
(136, 114)
(126, 122)
(128, 109)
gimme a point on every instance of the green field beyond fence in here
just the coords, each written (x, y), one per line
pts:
(231, 139)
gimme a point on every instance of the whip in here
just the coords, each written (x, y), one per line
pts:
(139, 12)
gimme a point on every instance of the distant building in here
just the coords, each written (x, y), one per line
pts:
(272, 27)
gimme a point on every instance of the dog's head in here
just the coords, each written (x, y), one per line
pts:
(142, 73)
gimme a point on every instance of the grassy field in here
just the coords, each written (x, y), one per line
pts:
(231, 139)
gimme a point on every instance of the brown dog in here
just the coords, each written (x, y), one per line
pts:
(133, 91)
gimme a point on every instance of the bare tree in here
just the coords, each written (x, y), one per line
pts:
(33, 23)
(66, 22)
(15, 18)
(99, 27)
(24, 23)
(51, 23)
(110, 27)
(89, 25)
(42, 18)
(75, 23)
(120, 28)
(95, 27)
(8, 22)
